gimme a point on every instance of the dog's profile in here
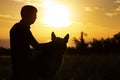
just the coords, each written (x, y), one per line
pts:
(49, 61)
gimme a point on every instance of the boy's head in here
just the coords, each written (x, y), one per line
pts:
(28, 14)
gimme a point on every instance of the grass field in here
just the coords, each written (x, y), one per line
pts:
(77, 67)
(5, 68)
(92, 67)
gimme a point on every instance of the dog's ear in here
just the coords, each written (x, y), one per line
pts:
(53, 35)
(66, 38)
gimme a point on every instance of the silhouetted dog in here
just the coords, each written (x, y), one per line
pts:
(49, 61)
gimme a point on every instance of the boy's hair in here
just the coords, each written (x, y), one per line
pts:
(27, 11)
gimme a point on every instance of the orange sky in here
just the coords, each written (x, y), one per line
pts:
(97, 18)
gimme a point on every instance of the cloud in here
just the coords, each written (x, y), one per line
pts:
(117, 1)
(115, 12)
(118, 9)
(18, 0)
(88, 9)
(33, 2)
(7, 17)
(111, 14)
(91, 9)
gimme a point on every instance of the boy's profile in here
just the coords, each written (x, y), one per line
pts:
(21, 39)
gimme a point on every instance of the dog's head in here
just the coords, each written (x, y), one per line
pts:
(59, 43)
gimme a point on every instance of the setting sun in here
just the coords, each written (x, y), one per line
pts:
(56, 15)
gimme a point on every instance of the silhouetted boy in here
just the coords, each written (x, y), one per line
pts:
(20, 40)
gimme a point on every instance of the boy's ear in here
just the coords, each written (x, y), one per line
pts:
(66, 38)
(53, 35)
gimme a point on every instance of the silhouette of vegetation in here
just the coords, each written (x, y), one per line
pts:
(106, 46)
(81, 45)
(96, 46)
(4, 51)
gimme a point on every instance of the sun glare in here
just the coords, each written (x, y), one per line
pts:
(56, 15)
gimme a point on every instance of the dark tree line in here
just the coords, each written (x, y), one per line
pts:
(4, 51)
(101, 46)
(97, 46)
